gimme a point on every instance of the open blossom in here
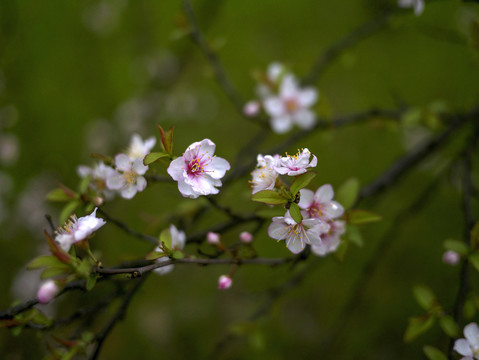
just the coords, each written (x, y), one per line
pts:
(178, 239)
(469, 347)
(138, 148)
(274, 74)
(330, 239)
(198, 171)
(293, 165)
(264, 176)
(98, 174)
(47, 291)
(291, 106)
(128, 178)
(224, 282)
(78, 229)
(418, 5)
(320, 204)
(297, 235)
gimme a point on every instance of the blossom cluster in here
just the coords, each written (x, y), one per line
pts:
(320, 226)
(125, 176)
(284, 100)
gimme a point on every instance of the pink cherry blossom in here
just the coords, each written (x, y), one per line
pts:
(330, 239)
(246, 237)
(224, 282)
(213, 238)
(128, 178)
(76, 230)
(320, 204)
(198, 171)
(251, 108)
(293, 165)
(451, 258)
(264, 176)
(297, 235)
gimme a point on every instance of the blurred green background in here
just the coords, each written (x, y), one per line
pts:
(79, 77)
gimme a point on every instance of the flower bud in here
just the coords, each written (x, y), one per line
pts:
(224, 282)
(47, 291)
(451, 258)
(213, 238)
(251, 108)
(246, 237)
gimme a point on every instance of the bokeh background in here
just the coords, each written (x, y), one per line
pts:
(81, 77)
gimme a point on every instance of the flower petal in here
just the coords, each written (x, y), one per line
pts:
(138, 167)
(305, 119)
(281, 124)
(186, 189)
(217, 167)
(177, 168)
(295, 244)
(307, 97)
(123, 162)
(289, 87)
(324, 194)
(333, 210)
(128, 191)
(463, 348)
(306, 198)
(278, 230)
(274, 106)
(115, 182)
(471, 332)
(140, 183)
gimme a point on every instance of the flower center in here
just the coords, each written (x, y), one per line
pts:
(130, 177)
(68, 227)
(195, 168)
(291, 105)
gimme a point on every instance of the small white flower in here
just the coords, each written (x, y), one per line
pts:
(297, 235)
(251, 108)
(224, 282)
(291, 106)
(99, 173)
(293, 165)
(198, 171)
(418, 5)
(178, 240)
(138, 148)
(469, 347)
(275, 72)
(47, 291)
(451, 258)
(330, 239)
(78, 229)
(320, 204)
(264, 176)
(128, 178)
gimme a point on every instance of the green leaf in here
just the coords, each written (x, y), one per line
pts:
(270, 197)
(178, 255)
(165, 237)
(449, 326)
(424, 296)
(84, 269)
(418, 326)
(302, 181)
(153, 255)
(433, 353)
(348, 193)
(54, 271)
(456, 246)
(58, 195)
(154, 156)
(474, 260)
(354, 235)
(295, 213)
(44, 261)
(469, 309)
(357, 217)
(91, 281)
(83, 187)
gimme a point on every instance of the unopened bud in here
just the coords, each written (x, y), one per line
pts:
(213, 238)
(251, 108)
(451, 258)
(47, 291)
(224, 282)
(246, 237)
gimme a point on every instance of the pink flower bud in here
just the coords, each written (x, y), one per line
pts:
(246, 237)
(251, 108)
(47, 291)
(213, 238)
(451, 258)
(224, 282)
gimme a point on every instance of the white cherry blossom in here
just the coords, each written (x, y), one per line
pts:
(330, 239)
(138, 148)
(128, 178)
(418, 5)
(78, 229)
(178, 240)
(293, 165)
(198, 171)
(98, 174)
(264, 176)
(469, 347)
(297, 235)
(320, 204)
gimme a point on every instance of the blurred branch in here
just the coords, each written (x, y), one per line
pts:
(127, 229)
(119, 315)
(407, 162)
(352, 38)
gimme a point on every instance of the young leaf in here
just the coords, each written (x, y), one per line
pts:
(153, 255)
(456, 246)
(69, 209)
(44, 261)
(91, 281)
(474, 259)
(417, 326)
(302, 181)
(58, 195)
(357, 217)
(178, 255)
(295, 213)
(354, 235)
(54, 271)
(165, 237)
(449, 326)
(348, 193)
(340, 253)
(154, 156)
(424, 296)
(433, 353)
(269, 197)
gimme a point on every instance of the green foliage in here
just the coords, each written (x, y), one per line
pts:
(354, 235)
(418, 326)
(348, 192)
(433, 353)
(270, 197)
(449, 326)
(302, 181)
(154, 156)
(474, 259)
(359, 217)
(296, 213)
(457, 246)
(424, 296)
